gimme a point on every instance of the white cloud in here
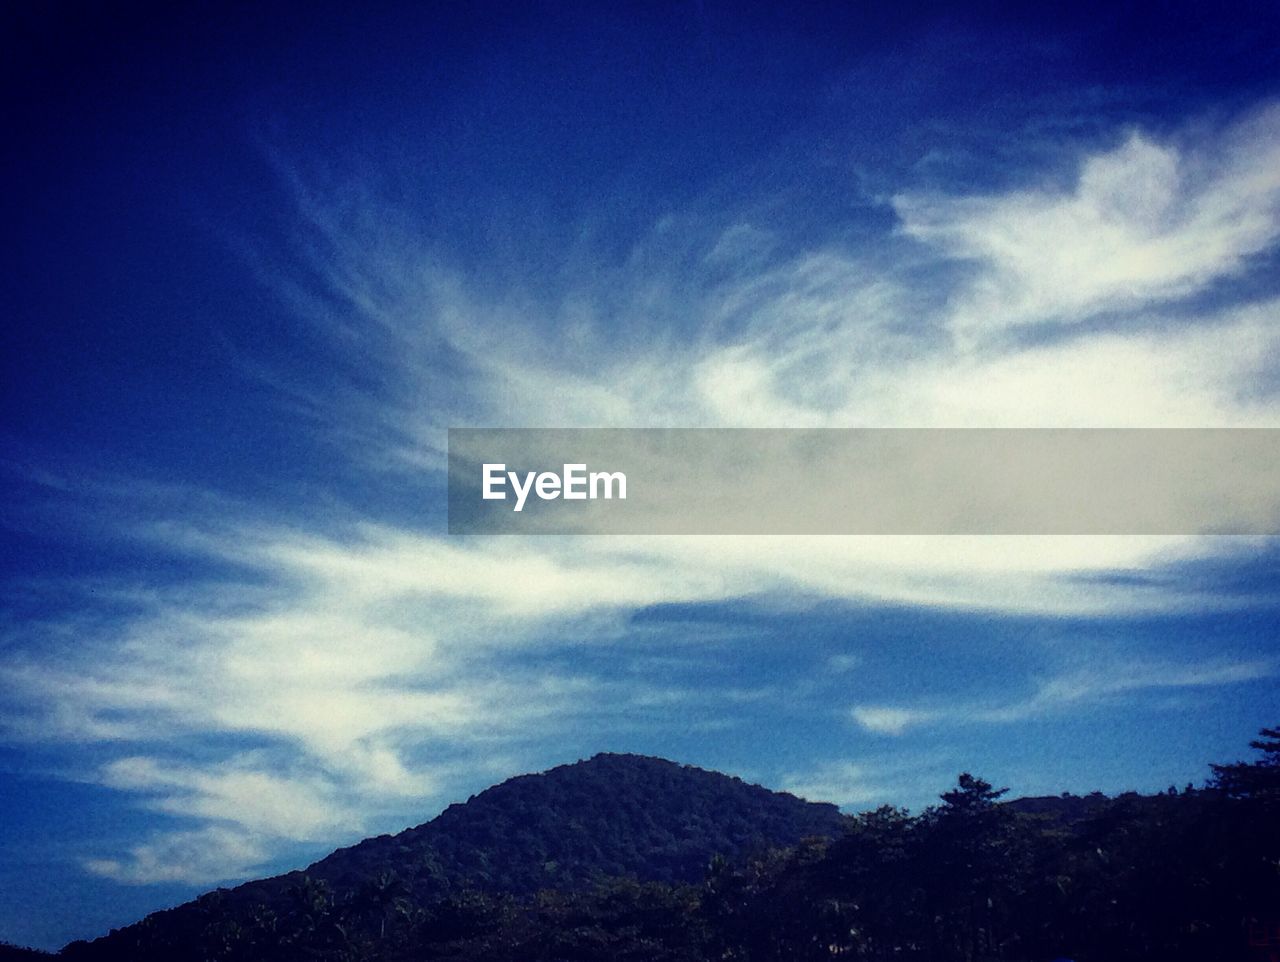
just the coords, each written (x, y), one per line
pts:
(864, 784)
(843, 663)
(202, 856)
(889, 721)
(260, 801)
(360, 656)
(1146, 222)
(1073, 689)
(1098, 682)
(845, 783)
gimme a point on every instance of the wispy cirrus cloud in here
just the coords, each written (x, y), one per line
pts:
(213, 853)
(1147, 222)
(1078, 689)
(377, 658)
(698, 327)
(243, 791)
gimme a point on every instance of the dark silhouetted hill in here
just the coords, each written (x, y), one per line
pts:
(612, 816)
(13, 953)
(631, 859)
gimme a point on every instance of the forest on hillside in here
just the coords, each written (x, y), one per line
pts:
(1185, 876)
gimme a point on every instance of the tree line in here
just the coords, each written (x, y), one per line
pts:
(1183, 876)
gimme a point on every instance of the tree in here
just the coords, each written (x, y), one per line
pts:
(972, 796)
(1257, 779)
(967, 856)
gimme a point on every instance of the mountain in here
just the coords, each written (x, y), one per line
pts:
(13, 953)
(566, 829)
(613, 815)
(615, 859)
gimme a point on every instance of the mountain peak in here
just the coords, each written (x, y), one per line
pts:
(567, 828)
(612, 814)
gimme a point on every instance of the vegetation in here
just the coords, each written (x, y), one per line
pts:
(12, 953)
(596, 862)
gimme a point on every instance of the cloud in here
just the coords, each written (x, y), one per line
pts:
(846, 783)
(248, 805)
(1097, 682)
(261, 801)
(843, 663)
(865, 784)
(199, 857)
(378, 660)
(1146, 222)
(381, 666)
(832, 334)
(889, 721)
(1087, 686)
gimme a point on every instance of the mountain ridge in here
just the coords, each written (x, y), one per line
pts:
(571, 826)
(1178, 876)
(604, 770)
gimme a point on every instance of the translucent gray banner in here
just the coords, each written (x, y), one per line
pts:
(864, 481)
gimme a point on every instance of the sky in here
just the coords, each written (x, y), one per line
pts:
(261, 260)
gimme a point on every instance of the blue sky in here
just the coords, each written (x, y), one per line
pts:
(260, 262)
